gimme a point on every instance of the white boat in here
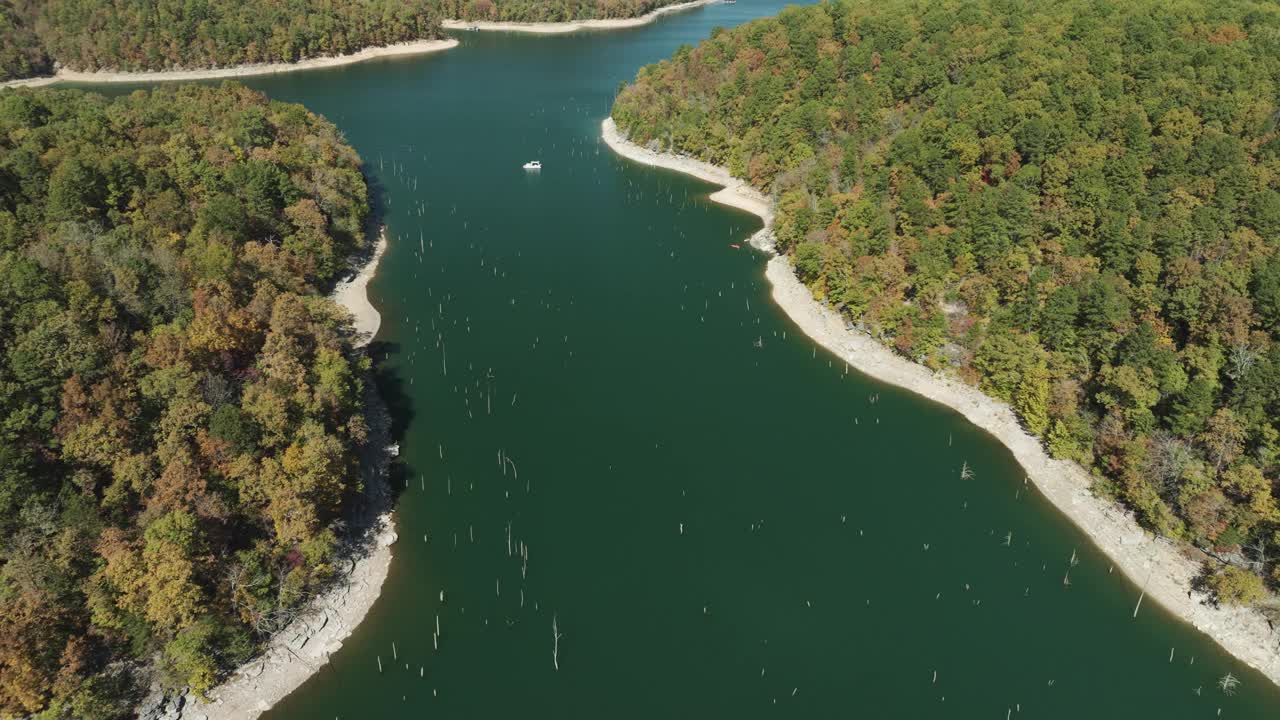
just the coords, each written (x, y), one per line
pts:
(533, 165)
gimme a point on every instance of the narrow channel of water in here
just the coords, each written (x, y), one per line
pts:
(717, 529)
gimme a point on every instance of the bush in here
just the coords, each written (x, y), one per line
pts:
(1235, 586)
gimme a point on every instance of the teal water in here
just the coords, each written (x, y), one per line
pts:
(718, 530)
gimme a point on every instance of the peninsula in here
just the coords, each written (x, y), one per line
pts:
(183, 409)
(65, 41)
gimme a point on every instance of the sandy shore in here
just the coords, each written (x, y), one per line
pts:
(303, 648)
(553, 28)
(1157, 565)
(416, 47)
(353, 294)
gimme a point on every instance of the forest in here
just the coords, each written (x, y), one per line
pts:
(180, 405)
(137, 35)
(1072, 204)
(21, 54)
(165, 34)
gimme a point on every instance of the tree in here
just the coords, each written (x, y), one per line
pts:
(1265, 289)
(1002, 360)
(73, 191)
(1235, 586)
(1223, 437)
(173, 597)
(808, 261)
(1032, 401)
(1246, 482)
(190, 659)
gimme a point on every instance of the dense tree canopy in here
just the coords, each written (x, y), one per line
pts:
(21, 54)
(179, 406)
(164, 34)
(1074, 204)
(138, 35)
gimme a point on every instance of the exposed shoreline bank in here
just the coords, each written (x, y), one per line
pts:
(353, 294)
(1156, 565)
(415, 47)
(555, 28)
(302, 648)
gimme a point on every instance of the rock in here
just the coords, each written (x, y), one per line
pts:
(159, 706)
(152, 705)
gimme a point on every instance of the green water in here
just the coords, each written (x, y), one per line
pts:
(720, 530)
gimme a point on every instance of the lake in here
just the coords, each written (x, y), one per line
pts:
(606, 425)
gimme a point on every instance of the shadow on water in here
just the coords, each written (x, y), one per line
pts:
(397, 481)
(377, 197)
(391, 386)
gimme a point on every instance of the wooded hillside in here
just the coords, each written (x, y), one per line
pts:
(179, 405)
(166, 34)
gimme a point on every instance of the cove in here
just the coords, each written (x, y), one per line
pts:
(719, 529)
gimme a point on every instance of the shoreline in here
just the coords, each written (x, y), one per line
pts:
(302, 648)
(354, 296)
(413, 47)
(568, 26)
(1156, 565)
